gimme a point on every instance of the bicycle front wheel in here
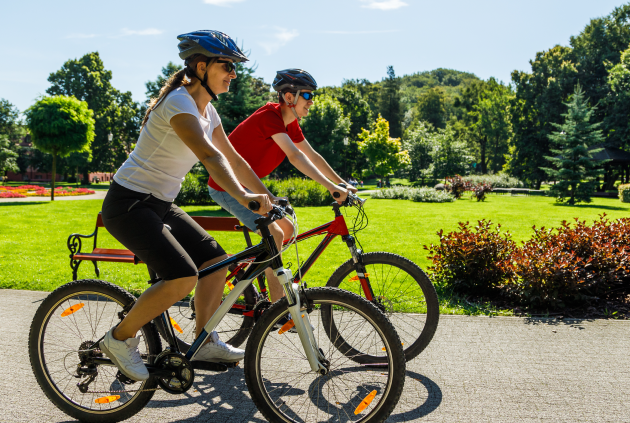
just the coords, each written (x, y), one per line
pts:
(66, 325)
(285, 389)
(401, 290)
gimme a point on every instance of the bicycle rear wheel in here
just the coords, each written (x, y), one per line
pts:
(66, 324)
(402, 291)
(283, 386)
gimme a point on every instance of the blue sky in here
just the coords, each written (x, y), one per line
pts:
(331, 39)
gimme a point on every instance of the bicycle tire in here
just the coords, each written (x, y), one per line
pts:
(415, 329)
(337, 404)
(48, 324)
(238, 325)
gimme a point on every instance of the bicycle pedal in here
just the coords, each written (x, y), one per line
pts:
(213, 367)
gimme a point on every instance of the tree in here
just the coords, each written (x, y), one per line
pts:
(326, 127)
(384, 154)
(538, 101)
(247, 94)
(389, 102)
(449, 156)
(431, 107)
(575, 168)
(8, 156)
(114, 112)
(60, 125)
(419, 143)
(154, 87)
(9, 118)
(358, 110)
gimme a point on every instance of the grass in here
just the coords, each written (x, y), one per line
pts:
(34, 255)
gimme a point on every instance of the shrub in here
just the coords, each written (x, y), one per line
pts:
(624, 193)
(499, 180)
(425, 194)
(301, 192)
(470, 261)
(193, 192)
(480, 190)
(457, 185)
(572, 265)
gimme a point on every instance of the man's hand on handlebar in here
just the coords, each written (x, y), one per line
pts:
(264, 203)
(352, 189)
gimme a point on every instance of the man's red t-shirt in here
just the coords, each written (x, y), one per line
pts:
(252, 140)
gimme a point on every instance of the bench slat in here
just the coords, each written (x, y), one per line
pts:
(104, 257)
(110, 251)
(209, 223)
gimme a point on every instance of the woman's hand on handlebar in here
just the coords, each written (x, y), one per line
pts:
(277, 200)
(339, 194)
(265, 203)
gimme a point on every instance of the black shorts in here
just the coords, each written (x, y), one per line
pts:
(138, 220)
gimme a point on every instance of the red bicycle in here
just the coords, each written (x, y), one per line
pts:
(396, 285)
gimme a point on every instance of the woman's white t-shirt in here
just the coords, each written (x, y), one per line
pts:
(161, 160)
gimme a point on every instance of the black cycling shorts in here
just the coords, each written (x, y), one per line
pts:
(138, 220)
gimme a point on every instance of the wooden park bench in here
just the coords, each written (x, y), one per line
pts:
(209, 223)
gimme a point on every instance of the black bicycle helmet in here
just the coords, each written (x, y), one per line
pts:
(293, 80)
(210, 44)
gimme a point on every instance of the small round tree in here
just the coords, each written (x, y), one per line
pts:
(60, 125)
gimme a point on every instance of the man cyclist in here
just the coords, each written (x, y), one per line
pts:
(264, 139)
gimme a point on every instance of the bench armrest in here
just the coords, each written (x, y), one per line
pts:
(75, 244)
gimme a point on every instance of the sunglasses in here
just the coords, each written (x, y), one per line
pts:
(228, 66)
(306, 96)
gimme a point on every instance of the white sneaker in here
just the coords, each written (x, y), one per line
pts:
(125, 355)
(218, 351)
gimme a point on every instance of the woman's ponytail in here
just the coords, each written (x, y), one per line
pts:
(175, 81)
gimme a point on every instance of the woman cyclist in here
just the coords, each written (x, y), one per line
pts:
(180, 128)
(268, 136)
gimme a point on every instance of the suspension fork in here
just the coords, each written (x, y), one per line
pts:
(357, 258)
(301, 320)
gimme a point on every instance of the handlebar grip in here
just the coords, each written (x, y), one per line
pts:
(254, 205)
(342, 185)
(336, 194)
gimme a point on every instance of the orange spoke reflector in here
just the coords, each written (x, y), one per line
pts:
(356, 277)
(229, 284)
(287, 326)
(366, 401)
(69, 311)
(176, 326)
(107, 400)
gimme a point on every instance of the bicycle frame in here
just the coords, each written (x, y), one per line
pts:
(256, 254)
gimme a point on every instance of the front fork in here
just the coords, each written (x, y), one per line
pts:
(301, 321)
(357, 258)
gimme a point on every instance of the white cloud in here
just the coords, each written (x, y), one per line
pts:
(222, 2)
(384, 31)
(280, 37)
(81, 36)
(148, 31)
(383, 4)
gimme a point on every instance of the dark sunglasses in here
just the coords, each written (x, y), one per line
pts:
(307, 96)
(229, 66)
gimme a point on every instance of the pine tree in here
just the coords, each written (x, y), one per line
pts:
(389, 102)
(575, 168)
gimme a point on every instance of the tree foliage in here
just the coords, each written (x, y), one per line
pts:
(114, 112)
(574, 167)
(60, 125)
(384, 154)
(326, 127)
(389, 102)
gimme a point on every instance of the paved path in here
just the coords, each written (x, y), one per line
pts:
(477, 369)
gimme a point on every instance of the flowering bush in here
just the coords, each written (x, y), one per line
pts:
(424, 194)
(39, 191)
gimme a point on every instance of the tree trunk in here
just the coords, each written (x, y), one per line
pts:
(54, 174)
(484, 169)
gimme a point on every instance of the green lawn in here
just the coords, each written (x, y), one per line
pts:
(33, 235)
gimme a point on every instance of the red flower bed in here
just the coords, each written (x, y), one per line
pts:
(9, 194)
